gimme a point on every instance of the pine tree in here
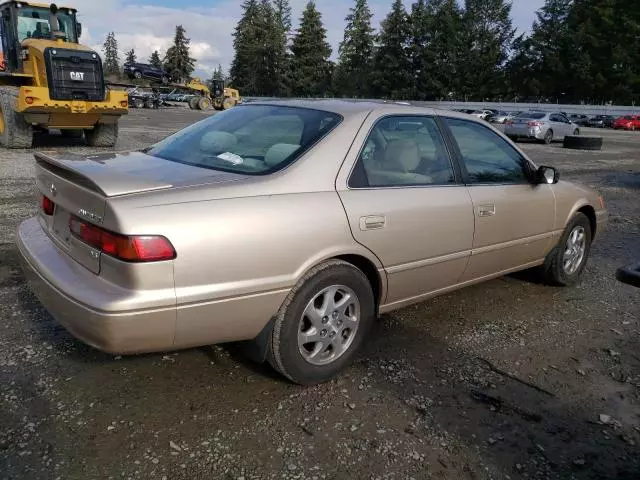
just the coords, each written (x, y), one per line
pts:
(282, 10)
(487, 36)
(352, 76)
(178, 61)
(130, 56)
(111, 65)
(310, 64)
(421, 58)
(392, 61)
(538, 67)
(155, 59)
(218, 74)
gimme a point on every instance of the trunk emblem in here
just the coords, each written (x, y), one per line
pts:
(53, 190)
(89, 215)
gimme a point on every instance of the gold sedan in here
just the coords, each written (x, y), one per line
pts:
(293, 225)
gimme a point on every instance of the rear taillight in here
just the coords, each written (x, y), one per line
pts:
(534, 124)
(130, 248)
(47, 206)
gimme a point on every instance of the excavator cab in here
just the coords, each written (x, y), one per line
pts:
(49, 81)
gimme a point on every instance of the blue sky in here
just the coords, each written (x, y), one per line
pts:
(146, 25)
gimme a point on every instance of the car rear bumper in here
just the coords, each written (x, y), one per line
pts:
(66, 289)
(529, 132)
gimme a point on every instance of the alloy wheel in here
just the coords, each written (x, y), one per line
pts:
(575, 249)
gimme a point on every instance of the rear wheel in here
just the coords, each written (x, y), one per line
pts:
(138, 103)
(228, 103)
(576, 132)
(102, 135)
(322, 323)
(165, 80)
(138, 75)
(193, 103)
(15, 132)
(204, 103)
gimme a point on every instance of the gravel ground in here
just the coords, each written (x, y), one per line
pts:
(505, 380)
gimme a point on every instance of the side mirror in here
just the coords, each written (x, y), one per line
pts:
(79, 29)
(547, 175)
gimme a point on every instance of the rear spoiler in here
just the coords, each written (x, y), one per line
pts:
(98, 174)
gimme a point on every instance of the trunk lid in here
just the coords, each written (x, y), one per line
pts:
(80, 185)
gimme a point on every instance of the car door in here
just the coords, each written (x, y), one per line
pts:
(514, 219)
(404, 202)
(557, 126)
(568, 127)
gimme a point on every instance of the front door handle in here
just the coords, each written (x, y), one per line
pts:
(372, 222)
(486, 210)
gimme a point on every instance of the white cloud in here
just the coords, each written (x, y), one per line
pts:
(147, 27)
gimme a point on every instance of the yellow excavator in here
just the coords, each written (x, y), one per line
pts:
(221, 97)
(50, 81)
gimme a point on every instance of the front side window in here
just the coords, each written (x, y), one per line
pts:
(403, 151)
(251, 139)
(488, 158)
(33, 22)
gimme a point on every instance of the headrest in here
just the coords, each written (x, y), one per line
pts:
(278, 153)
(218, 142)
(404, 153)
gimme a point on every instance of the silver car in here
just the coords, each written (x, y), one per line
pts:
(542, 126)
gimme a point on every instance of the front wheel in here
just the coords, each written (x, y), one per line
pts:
(138, 75)
(576, 132)
(322, 323)
(548, 137)
(566, 262)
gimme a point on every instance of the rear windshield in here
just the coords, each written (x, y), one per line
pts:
(250, 139)
(534, 115)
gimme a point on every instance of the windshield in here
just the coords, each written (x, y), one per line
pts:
(33, 22)
(251, 139)
(534, 115)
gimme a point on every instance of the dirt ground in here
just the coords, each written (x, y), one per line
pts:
(510, 379)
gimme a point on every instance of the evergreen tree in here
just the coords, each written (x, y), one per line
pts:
(218, 74)
(487, 36)
(247, 46)
(310, 64)
(538, 66)
(392, 62)
(443, 52)
(111, 65)
(352, 75)
(282, 67)
(421, 57)
(155, 59)
(130, 56)
(178, 61)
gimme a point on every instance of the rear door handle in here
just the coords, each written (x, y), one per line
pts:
(486, 210)
(372, 222)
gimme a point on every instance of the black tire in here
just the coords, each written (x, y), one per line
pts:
(148, 103)
(102, 135)
(284, 354)
(204, 103)
(138, 103)
(513, 138)
(228, 103)
(548, 137)
(15, 132)
(553, 271)
(576, 132)
(137, 75)
(193, 103)
(165, 80)
(582, 143)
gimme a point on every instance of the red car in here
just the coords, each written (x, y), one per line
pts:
(628, 122)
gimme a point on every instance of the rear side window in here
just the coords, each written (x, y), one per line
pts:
(252, 139)
(403, 151)
(487, 157)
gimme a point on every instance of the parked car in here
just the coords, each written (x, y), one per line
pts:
(292, 224)
(543, 126)
(579, 119)
(500, 117)
(481, 114)
(144, 70)
(601, 121)
(628, 122)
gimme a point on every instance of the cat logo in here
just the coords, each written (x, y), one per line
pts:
(77, 76)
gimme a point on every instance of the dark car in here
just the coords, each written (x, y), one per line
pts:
(144, 70)
(601, 121)
(579, 119)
